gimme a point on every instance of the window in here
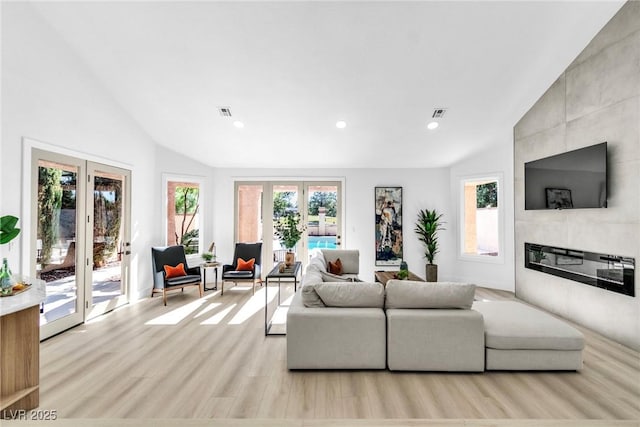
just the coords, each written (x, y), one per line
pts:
(481, 218)
(261, 205)
(183, 201)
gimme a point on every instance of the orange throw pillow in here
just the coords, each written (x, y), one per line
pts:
(245, 265)
(335, 267)
(176, 271)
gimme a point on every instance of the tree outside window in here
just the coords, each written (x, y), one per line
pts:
(480, 222)
(183, 204)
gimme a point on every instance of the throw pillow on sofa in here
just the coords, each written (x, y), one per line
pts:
(335, 267)
(410, 294)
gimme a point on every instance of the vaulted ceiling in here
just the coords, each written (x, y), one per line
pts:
(290, 70)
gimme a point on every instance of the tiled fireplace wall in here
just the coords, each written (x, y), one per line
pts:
(596, 99)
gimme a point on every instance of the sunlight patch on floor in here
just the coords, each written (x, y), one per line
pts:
(179, 314)
(207, 309)
(217, 318)
(252, 306)
(280, 316)
(287, 301)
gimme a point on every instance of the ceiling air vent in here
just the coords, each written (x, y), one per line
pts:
(224, 111)
(438, 113)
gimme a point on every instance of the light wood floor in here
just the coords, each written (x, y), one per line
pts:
(208, 358)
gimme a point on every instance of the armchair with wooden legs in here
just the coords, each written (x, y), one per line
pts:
(244, 252)
(167, 273)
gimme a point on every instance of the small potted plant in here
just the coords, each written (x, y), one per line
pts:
(402, 274)
(8, 232)
(207, 256)
(427, 227)
(289, 231)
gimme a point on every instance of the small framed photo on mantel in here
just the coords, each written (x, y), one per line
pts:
(388, 228)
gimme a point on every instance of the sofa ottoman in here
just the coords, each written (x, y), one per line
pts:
(520, 337)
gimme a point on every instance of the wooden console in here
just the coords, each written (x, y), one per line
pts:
(20, 351)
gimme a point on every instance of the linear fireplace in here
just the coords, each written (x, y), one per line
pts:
(611, 272)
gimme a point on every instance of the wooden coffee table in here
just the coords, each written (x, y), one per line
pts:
(384, 276)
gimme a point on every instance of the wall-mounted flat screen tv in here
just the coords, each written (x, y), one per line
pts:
(573, 180)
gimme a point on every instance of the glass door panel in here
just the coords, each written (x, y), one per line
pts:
(109, 242)
(263, 205)
(58, 203)
(323, 225)
(249, 224)
(285, 202)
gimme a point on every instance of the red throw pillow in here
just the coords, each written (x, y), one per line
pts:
(176, 271)
(335, 267)
(243, 265)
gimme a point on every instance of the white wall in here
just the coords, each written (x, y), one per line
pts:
(170, 162)
(422, 188)
(49, 95)
(498, 159)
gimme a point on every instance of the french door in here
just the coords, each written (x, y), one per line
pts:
(79, 239)
(108, 240)
(261, 204)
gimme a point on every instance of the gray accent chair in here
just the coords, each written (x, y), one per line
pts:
(246, 251)
(172, 256)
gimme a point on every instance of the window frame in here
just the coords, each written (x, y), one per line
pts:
(498, 177)
(200, 180)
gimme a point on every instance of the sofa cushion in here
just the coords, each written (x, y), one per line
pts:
(310, 297)
(345, 294)
(311, 277)
(183, 280)
(328, 277)
(317, 259)
(511, 325)
(350, 259)
(410, 294)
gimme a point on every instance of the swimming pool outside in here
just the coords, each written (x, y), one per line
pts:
(322, 242)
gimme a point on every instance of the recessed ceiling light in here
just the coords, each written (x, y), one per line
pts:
(432, 125)
(238, 124)
(341, 124)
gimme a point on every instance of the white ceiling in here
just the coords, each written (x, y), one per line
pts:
(290, 70)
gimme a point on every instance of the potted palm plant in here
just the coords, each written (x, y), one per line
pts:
(427, 227)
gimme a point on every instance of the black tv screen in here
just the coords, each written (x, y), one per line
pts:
(572, 180)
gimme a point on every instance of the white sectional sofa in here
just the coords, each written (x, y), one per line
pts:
(338, 337)
(348, 335)
(339, 323)
(520, 337)
(431, 327)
